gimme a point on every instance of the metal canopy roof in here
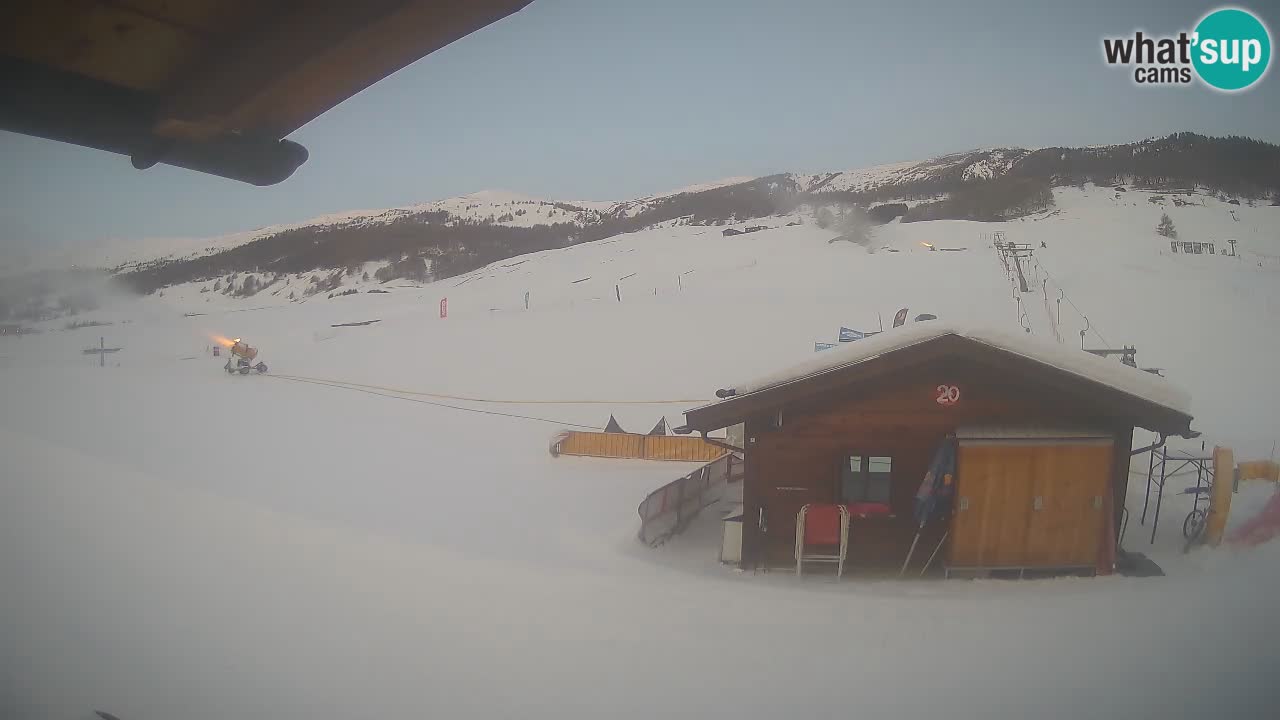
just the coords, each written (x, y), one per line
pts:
(210, 85)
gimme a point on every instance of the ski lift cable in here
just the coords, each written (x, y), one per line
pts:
(495, 401)
(1048, 311)
(1073, 305)
(437, 404)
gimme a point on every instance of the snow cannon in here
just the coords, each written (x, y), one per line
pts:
(240, 359)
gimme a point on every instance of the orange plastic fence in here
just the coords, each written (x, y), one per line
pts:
(1259, 470)
(639, 447)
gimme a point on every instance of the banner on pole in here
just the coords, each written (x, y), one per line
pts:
(444, 308)
(901, 318)
(849, 334)
(526, 299)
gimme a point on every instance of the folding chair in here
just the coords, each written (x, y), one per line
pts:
(822, 526)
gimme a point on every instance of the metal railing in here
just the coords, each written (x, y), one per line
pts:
(668, 510)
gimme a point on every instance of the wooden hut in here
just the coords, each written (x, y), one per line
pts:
(1042, 435)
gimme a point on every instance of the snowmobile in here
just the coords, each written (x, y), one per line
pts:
(240, 359)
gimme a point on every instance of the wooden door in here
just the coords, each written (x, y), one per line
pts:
(1070, 482)
(1029, 504)
(993, 490)
(783, 503)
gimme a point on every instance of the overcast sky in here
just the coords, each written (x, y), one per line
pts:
(605, 99)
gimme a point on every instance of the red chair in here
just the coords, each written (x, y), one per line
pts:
(822, 526)
(868, 509)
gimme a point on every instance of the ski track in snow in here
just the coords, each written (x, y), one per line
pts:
(177, 543)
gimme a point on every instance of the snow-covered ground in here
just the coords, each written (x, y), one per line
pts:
(512, 209)
(501, 207)
(177, 543)
(973, 165)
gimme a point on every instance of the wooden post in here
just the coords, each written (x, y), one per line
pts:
(1220, 496)
(680, 502)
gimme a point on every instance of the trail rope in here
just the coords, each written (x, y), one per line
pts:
(354, 388)
(495, 401)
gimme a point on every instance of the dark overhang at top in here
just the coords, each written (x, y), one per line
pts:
(209, 85)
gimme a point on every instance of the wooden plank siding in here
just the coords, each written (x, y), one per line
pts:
(1028, 504)
(638, 447)
(799, 462)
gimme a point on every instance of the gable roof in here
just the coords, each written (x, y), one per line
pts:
(1154, 402)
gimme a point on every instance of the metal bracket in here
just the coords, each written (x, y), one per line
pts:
(1038, 503)
(963, 504)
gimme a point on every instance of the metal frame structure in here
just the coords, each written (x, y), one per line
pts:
(102, 351)
(1160, 458)
(1016, 251)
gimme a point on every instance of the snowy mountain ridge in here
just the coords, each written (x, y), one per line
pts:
(451, 237)
(513, 209)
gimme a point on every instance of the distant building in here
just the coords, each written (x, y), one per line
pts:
(730, 232)
(755, 228)
(1192, 248)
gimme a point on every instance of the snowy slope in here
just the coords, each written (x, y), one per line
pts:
(1101, 254)
(500, 207)
(631, 208)
(973, 165)
(517, 210)
(180, 543)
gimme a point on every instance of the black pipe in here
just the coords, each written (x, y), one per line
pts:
(1151, 447)
(717, 443)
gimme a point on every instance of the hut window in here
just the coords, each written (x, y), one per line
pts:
(866, 479)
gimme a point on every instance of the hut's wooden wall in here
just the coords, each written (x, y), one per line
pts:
(1002, 528)
(799, 462)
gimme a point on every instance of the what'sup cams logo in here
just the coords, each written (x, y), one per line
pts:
(1229, 50)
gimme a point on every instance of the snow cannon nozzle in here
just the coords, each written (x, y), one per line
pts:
(240, 358)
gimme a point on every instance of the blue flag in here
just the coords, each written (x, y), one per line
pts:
(849, 335)
(938, 484)
(822, 346)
